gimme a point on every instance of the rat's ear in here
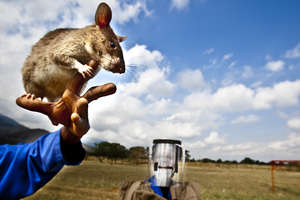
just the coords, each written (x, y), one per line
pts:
(121, 38)
(103, 15)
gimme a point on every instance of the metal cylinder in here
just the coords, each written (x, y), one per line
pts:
(166, 162)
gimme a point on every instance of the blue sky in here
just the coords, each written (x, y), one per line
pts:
(222, 76)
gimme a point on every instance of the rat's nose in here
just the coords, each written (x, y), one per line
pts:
(119, 66)
(122, 69)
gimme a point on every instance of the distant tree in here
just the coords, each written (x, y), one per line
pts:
(102, 149)
(234, 162)
(263, 163)
(137, 153)
(112, 151)
(207, 160)
(187, 155)
(219, 160)
(247, 160)
(118, 151)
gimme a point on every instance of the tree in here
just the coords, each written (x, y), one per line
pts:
(102, 149)
(112, 151)
(207, 160)
(247, 160)
(187, 155)
(137, 153)
(118, 151)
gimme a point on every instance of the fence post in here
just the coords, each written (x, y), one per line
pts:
(273, 177)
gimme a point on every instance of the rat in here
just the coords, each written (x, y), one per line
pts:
(62, 53)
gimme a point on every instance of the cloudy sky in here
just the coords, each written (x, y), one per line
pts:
(222, 76)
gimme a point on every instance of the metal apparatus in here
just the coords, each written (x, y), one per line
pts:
(166, 162)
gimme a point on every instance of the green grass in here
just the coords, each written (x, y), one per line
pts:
(94, 180)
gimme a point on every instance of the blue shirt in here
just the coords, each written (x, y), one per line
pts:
(24, 168)
(158, 190)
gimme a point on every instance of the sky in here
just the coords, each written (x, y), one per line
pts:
(222, 76)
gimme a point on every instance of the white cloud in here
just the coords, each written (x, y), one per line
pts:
(232, 64)
(204, 120)
(191, 79)
(15, 15)
(209, 51)
(179, 4)
(283, 94)
(287, 148)
(268, 57)
(213, 61)
(239, 148)
(227, 56)
(152, 82)
(214, 139)
(234, 97)
(168, 129)
(248, 72)
(124, 12)
(256, 84)
(289, 144)
(291, 67)
(139, 55)
(161, 107)
(229, 79)
(170, 119)
(294, 123)
(245, 119)
(230, 98)
(198, 144)
(293, 53)
(238, 97)
(275, 66)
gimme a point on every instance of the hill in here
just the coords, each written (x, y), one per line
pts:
(12, 132)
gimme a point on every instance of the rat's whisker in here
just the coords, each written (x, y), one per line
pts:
(107, 58)
(137, 65)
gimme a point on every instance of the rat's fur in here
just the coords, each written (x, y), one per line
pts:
(60, 54)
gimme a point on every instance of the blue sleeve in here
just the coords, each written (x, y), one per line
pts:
(24, 168)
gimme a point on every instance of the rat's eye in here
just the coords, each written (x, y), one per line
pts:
(112, 45)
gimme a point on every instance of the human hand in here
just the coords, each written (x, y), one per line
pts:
(71, 109)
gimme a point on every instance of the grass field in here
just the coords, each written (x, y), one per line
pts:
(94, 180)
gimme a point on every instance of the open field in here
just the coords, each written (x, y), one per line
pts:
(94, 180)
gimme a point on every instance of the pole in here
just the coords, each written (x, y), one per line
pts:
(273, 177)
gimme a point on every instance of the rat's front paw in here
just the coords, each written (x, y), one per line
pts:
(86, 71)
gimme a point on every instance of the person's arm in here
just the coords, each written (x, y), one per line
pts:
(25, 168)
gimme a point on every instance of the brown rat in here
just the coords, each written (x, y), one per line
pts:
(57, 57)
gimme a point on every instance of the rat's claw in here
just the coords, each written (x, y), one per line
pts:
(90, 73)
(85, 70)
(82, 74)
(28, 96)
(32, 97)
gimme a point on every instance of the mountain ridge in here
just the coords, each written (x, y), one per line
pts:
(12, 132)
